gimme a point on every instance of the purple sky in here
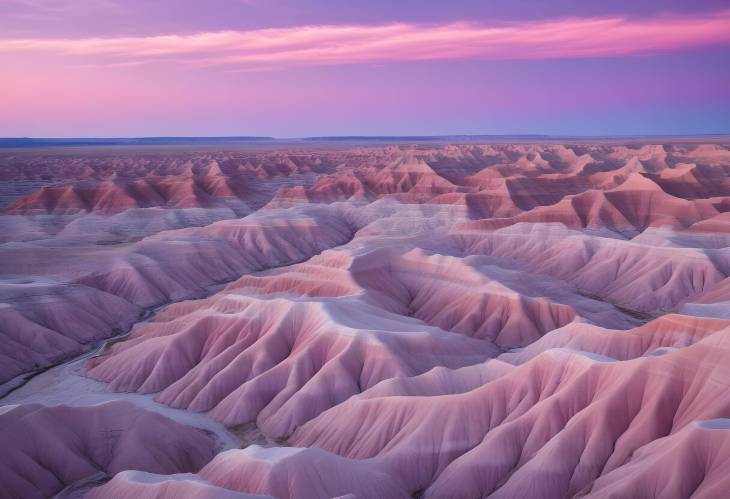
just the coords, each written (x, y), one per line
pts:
(324, 67)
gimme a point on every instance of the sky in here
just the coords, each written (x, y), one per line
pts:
(295, 68)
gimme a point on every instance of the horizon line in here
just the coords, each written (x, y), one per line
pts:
(8, 143)
(355, 137)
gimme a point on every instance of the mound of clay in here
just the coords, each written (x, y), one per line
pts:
(642, 278)
(45, 322)
(278, 361)
(288, 473)
(256, 472)
(550, 427)
(96, 292)
(48, 448)
(668, 332)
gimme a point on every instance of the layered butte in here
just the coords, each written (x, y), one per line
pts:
(434, 320)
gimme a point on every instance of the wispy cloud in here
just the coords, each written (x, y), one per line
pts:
(325, 45)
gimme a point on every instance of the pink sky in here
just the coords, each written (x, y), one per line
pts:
(351, 78)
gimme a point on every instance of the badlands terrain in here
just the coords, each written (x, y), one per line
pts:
(312, 320)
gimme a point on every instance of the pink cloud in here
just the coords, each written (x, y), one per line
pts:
(367, 44)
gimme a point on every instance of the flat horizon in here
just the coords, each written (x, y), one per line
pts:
(359, 137)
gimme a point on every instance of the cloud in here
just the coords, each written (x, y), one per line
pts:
(369, 44)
